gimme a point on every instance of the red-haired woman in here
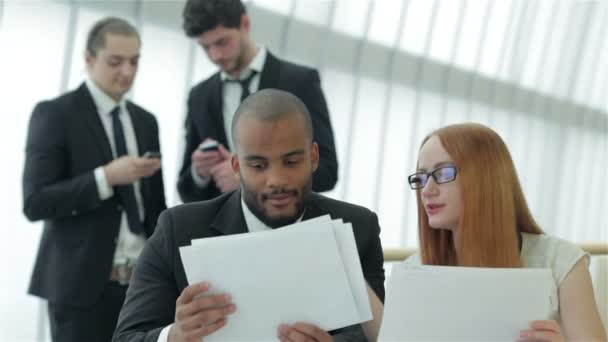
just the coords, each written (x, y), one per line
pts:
(472, 212)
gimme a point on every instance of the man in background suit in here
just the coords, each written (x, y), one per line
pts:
(222, 28)
(99, 200)
(275, 159)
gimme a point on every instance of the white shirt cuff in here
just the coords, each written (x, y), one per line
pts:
(201, 182)
(103, 188)
(164, 334)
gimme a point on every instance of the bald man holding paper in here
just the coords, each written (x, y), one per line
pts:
(275, 159)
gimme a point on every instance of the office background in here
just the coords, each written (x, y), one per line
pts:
(392, 70)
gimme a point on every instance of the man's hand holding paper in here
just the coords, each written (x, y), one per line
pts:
(274, 279)
(199, 314)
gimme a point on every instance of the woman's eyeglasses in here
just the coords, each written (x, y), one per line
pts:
(444, 174)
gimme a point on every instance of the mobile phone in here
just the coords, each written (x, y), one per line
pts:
(209, 146)
(152, 154)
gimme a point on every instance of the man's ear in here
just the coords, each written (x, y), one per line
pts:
(314, 156)
(245, 23)
(89, 59)
(234, 161)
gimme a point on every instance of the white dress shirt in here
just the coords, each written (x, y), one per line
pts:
(232, 90)
(128, 244)
(232, 99)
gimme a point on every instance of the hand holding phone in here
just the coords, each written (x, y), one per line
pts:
(209, 145)
(205, 157)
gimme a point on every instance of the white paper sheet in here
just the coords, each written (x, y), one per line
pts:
(350, 258)
(433, 303)
(298, 273)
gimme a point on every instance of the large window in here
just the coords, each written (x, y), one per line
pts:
(392, 71)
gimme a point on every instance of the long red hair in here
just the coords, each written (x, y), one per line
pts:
(494, 208)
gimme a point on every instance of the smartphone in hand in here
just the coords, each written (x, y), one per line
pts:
(152, 154)
(210, 145)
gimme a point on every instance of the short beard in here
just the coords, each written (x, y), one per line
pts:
(257, 208)
(239, 62)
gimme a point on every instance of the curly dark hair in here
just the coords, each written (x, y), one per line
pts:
(201, 16)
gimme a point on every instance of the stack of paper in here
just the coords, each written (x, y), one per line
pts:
(308, 271)
(434, 303)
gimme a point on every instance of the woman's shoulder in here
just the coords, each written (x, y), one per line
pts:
(547, 251)
(547, 245)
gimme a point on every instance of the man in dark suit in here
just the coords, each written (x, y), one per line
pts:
(99, 200)
(275, 159)
(222, 28)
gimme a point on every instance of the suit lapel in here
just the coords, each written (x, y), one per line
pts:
(230, 220)
(312, 209)
(92, 120)
(270, 72)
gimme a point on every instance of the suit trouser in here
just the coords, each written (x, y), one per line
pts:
(91, 323)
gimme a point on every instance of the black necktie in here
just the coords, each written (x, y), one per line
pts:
(244, 84)
(126, 192)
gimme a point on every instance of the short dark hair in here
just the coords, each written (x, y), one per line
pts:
(272, 105)
(97, 35)
(201, 16)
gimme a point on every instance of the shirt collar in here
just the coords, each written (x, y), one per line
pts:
(257, 64)
(104, 103)
(254, 224)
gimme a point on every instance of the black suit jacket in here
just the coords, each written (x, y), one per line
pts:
(66, 142)
(205, 120)
(159, 277)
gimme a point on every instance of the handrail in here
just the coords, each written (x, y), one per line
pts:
(400, 254)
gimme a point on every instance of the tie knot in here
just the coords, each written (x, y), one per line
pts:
(245, 81)
(115, 111)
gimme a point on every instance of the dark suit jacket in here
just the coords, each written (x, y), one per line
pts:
(159, 277)
(205, 120)
(66, 142)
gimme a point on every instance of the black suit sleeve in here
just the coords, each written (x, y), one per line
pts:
(310, 92)
(188, 190)
(372, 259)
(150, 301)
(49, 191)
(352, 333)
(157, 201)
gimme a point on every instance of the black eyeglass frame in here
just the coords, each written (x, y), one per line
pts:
(432, 173)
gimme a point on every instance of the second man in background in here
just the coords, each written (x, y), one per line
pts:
(222, 28)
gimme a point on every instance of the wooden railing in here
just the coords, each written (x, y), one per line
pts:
(400, 254)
